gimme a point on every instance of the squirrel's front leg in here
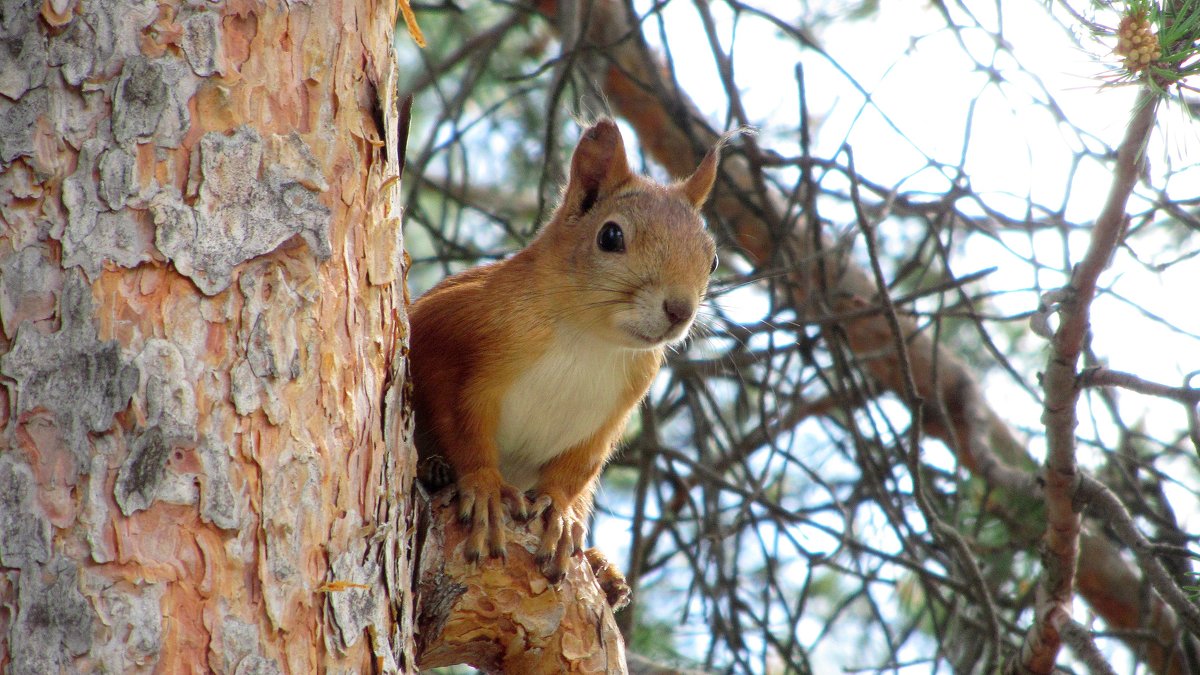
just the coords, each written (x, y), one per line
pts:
(474, 461)
(563, 500)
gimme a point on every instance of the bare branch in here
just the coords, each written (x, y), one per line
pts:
(1057, 586)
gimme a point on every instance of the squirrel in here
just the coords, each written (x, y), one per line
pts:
(525, 371)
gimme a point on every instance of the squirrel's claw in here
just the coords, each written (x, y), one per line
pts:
(561, 538)
(539, 506)
(612, 581)
(518, 506)
(482, 497)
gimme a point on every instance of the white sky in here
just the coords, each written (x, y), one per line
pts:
(915, 70)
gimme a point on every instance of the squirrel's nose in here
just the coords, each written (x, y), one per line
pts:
(677, 310)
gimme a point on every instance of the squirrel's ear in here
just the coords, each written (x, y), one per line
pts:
(598, 167)
(697, 186)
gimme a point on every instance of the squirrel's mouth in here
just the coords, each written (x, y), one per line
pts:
(667, 337)
(642, 337)
(639, 336)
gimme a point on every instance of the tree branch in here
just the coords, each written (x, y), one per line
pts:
(1062, 478)
(1103, 377)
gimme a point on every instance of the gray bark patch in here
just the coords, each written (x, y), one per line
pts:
(245, 389)
(24, 529)
(143, 472)
(202, 42)
(117, 236)
(354, 608)
(133, 616)
(139, 100)
(116, 177)
(149, 475)
(253, 196)
(74, 50)
(95, 515)
(18, 123)
(100, 37)
(53, 622)
(237, 644)
(166, 393)
(22, 49)
(95, 234)
(274, 306)
(81, 197)
(258, 665)
(70, 373)
(119, 28)
(219, 504)
(28, 281)
(150, 99)
(166, 399)
(290, 506)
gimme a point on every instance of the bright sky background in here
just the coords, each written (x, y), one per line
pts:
(915, 70)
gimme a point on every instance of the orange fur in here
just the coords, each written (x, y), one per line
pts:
(525, 371)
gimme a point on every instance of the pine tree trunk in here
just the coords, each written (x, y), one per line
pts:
(203, 463)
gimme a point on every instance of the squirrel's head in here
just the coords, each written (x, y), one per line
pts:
(635, 254)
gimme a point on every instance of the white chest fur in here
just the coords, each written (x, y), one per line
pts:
(559, 402)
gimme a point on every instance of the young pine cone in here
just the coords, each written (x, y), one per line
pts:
(1136, 43)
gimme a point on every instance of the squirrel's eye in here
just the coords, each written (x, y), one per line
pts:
(611, 238)
(714, 265)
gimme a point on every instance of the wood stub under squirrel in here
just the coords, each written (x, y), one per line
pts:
(526, 370)
(508, 618)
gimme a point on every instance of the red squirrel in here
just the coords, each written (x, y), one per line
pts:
(526, 370)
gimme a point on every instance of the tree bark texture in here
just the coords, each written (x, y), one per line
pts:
(502, 615)
(203, 451)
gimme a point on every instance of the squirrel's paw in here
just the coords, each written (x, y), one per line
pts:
(612, 581)
(482, 498)
(562, 536)
(435, 472)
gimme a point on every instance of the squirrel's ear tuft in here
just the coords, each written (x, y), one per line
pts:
(697, 186)
(598, 167)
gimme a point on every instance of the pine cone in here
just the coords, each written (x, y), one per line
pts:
(1136, 42)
